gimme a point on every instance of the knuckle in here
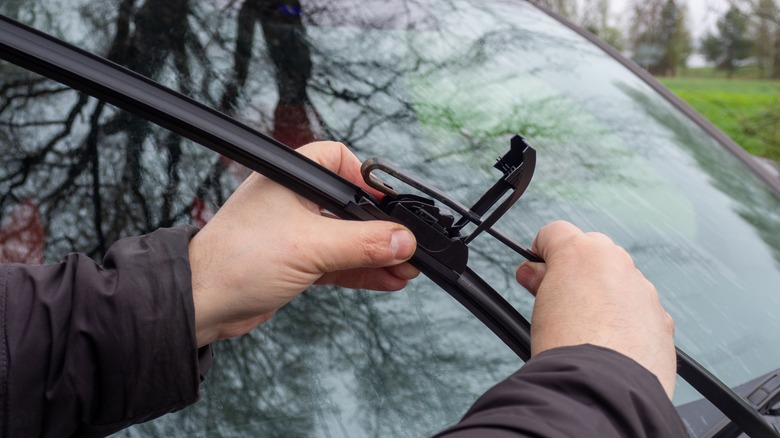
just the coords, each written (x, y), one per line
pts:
(669, 321)
(600, 237)
(375, 250)
(391, 284)
(583, 245)
(624, 256)
(335, 146)
(555, 224)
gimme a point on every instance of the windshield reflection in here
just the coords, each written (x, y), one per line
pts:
(406, 81)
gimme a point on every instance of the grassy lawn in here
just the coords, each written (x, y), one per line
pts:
(748, 110)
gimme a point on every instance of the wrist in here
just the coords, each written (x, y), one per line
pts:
(205, 328)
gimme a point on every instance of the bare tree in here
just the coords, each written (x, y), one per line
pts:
(763, 17)
(659, 35)
(766, 28)
(731, 44)
(565, 8)
(593, 15)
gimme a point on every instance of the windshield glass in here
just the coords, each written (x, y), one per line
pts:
(437, 87)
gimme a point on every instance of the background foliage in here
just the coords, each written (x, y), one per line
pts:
(737, 90)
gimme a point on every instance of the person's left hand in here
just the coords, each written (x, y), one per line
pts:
(267, 244)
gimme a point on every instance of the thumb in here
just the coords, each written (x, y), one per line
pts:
(530, 275)
(342, 245)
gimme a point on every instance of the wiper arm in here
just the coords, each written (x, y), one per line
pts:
(739, 411)
(125, 89)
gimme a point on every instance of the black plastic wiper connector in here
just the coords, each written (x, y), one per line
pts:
(431, 226)
(437, 225)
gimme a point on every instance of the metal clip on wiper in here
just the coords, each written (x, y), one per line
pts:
(435, 228)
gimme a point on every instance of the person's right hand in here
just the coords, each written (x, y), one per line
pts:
(590, 292)
(266, 245)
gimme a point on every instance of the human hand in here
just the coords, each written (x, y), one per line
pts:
(267, 244)
(590, 292)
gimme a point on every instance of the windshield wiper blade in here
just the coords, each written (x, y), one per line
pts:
(736, 408)
(762, 393)
(125, 89)
(134, 93)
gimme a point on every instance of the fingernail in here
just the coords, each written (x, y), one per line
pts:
(525, 274)
(403, 243)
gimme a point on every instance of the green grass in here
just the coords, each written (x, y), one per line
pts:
(748, 110)
(744, 72)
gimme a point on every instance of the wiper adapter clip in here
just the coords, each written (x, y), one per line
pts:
(431, 226)
(435, 228)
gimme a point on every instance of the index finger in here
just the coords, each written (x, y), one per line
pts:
(338, 158)
(554, 237)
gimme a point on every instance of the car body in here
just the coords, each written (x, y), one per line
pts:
(439, 88)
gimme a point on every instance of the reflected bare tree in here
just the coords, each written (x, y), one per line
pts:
(365, 364)
(88, 166)
(289, 55)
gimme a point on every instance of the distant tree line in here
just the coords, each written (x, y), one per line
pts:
(748, 32)
(657, 34)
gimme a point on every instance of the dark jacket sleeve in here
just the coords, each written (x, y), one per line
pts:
(89, 349)
(582, 391)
